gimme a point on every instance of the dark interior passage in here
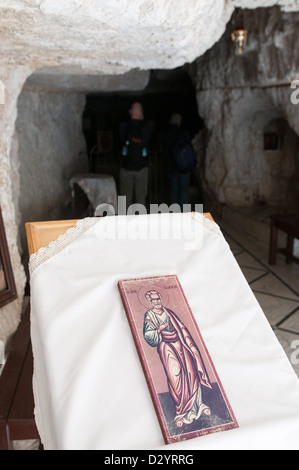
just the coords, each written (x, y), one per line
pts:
(166, 93)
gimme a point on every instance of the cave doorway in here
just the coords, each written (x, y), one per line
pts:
(167, 92)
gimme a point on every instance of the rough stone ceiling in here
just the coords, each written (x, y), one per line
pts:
(115, 36)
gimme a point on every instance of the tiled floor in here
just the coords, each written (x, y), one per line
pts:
(275, 287)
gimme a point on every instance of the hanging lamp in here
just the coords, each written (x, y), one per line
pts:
(238, 36)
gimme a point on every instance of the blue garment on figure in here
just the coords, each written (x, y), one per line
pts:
(178, 181)
(179, 188)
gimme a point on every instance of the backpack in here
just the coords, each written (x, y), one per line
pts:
(184, 156)
(133, 150)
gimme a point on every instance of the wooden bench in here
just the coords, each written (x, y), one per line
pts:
(288, 224)
(16, 395)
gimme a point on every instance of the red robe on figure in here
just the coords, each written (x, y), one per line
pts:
(182, 363)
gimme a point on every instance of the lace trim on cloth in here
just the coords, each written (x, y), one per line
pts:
(208, 223)
(73, 233)
(56, 246)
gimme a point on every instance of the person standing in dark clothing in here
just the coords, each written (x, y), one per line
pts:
(134, 136)
(178, 181)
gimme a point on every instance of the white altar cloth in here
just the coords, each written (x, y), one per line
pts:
(89, 387)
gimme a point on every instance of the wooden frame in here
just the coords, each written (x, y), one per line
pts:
(8, 291)
(40, 234)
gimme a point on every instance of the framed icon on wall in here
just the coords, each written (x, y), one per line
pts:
(8, 291)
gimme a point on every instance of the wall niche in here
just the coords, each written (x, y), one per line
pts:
(279, 181)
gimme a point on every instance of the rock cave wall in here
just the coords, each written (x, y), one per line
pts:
(14, 77)
(50, 149)
(238, 97)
